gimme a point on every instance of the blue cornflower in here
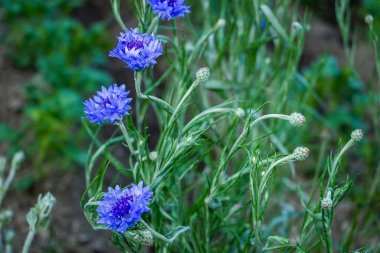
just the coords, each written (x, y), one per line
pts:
(138, 51)
(169, 9)
(108, 105)
(263, 24)
(121, 209)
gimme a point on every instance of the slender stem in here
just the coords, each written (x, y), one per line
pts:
(238, 142)
(120, 124)
(153, 26)
(162, 103)
(180, 104)
(268, 171)
(257, 234)
(204, 114)
(339, 156)
(268, 116)
(242, 172)
(28, 241)
(98, 153)
(207, 227)
(163, 238)
(7, 183)
(116, 13)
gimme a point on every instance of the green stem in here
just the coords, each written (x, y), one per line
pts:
(338, 157)
(153, 26)
(28, 241)
(163, 104)
(163, 238)
(116, 12)
(268, 172)
(128, 139)
(98, 152)
(207, 226)
(180, 104)
(237, 143)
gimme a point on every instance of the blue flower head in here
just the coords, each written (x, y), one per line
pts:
(138, 51)
(108, 105)
(169, 9)
(121, 209)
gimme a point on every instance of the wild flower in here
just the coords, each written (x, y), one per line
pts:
(169, 9)
(121, 209)
(108, 105)
(138, 51)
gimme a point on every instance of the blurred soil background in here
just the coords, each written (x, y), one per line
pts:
(52, 56)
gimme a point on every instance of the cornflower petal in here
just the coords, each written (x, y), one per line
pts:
(122, 209)
(108, 105)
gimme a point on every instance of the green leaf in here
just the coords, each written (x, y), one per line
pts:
(274, 22)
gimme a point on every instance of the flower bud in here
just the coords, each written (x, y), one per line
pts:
(17, 159)
(326, 203)
(203, 74)
(240, 112)
(221, 22)
(38, 216)
(5, 217)
(9, 236)
(357, 135)
(3, 162)
(144, 237)
(300, 153)
(296, 26)
(297, 119)
(153, 155)
(369, 19)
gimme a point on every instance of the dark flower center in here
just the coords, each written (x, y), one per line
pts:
(170, 2)
(106, 101)
(121, 207)
(135, 44)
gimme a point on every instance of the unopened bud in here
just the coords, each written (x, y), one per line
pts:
(221, 22)
(240, 112)
(297, 119)
(3, 162)
(326, 202)
(369, 19)
(38, 216)
(17, 159)
(144, 237)
(203, 74)
(9, 236)
(5, 217)
(297, 26)
(300, 153)
(357, 135)
(153, 155)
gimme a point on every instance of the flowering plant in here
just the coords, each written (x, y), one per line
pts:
(210, 170)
